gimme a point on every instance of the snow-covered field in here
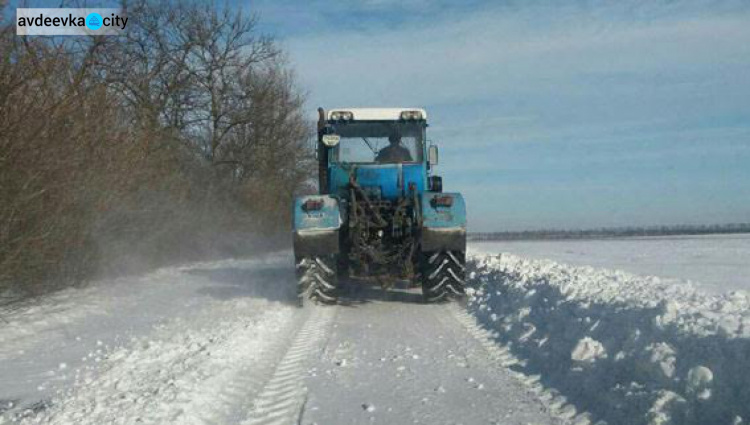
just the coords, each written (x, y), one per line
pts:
(716, 263)
(538, 342)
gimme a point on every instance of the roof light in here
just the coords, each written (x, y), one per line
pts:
(341, 115)
(411, 115)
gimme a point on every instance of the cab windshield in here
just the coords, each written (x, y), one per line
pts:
(379, 142)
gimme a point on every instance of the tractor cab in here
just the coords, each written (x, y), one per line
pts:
(385, 150)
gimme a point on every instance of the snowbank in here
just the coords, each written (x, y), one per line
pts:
(629, 349)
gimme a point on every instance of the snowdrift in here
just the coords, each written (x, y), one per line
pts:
(628, 349)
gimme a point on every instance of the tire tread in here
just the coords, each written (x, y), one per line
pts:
(443, 275)
(317, 280)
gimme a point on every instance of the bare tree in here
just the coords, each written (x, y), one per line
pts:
(226, 50)
(183, 138)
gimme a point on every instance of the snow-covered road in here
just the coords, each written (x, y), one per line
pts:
(223, 343)
(538, 342)
(399, 361)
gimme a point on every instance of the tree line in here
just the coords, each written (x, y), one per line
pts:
(182, 139)
(613, 232)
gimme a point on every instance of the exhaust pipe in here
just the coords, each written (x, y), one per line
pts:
(321, 119)
(322, 154)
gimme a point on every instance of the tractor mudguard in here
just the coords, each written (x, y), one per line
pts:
(317, 221)
(443, 222)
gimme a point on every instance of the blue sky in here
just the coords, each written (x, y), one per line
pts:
(550, 113)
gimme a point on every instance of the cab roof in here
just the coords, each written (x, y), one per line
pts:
(376, 114)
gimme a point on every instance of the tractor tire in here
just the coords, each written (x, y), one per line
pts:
(317, 280)
(443, 275)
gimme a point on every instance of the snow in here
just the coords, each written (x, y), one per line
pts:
(699, 381)
(588, 350)
(716, 263)
(224, 342)
(538, 341)
(413, 363)
(629, 349)
(132, 347)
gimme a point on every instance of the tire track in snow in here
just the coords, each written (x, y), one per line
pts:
(234, 392)
(553, 401)
(191, 376)
(282, 399)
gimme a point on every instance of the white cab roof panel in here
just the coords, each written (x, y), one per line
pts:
(376, 114)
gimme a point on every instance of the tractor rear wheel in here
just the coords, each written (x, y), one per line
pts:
(443, 274)
(317, 279)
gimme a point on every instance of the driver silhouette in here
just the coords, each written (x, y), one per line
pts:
(394, 153)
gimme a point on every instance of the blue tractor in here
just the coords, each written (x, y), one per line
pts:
(381, 213)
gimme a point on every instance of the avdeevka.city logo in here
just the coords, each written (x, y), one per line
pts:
(85, 21)
(94, 21)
